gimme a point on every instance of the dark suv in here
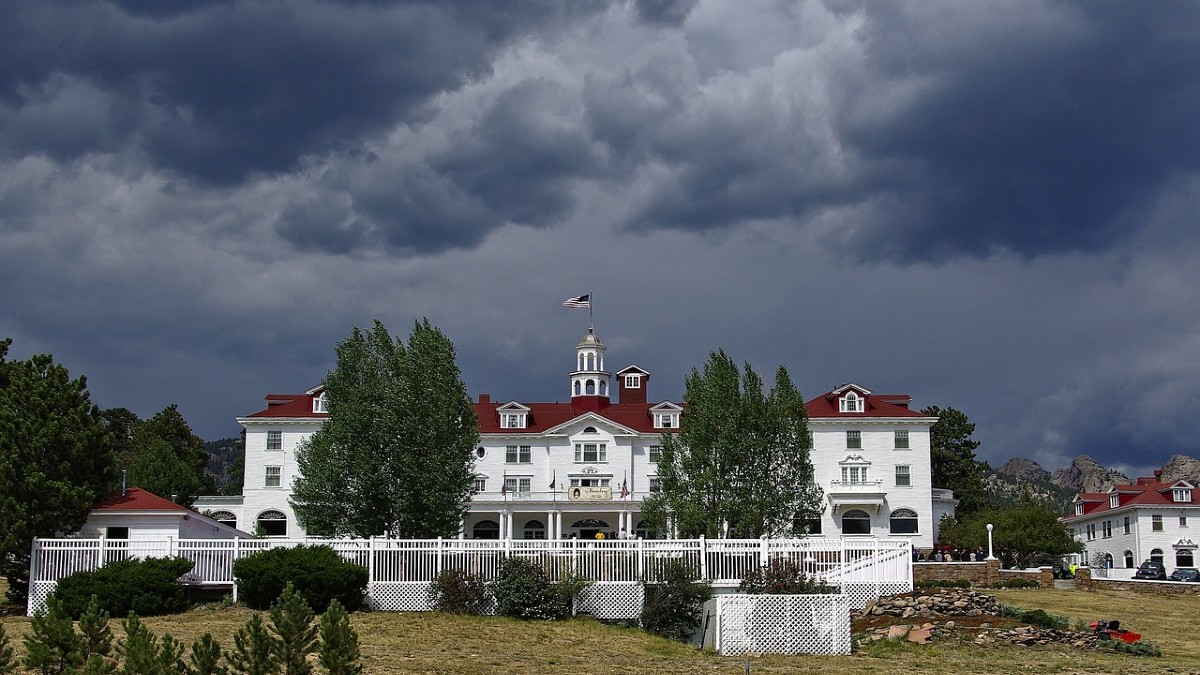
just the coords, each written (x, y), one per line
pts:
(1185, 574)
(1151, 570)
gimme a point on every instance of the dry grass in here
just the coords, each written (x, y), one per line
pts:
(433, 643)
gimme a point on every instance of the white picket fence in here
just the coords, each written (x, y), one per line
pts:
(400, 571)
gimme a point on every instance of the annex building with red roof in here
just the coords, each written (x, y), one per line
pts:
(582, 466)
(135, 514)
(1147, 520)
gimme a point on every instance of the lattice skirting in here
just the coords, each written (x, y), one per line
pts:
(863, 593)
(612, 600)
(38, 592)
(783, 624)
(399, 596)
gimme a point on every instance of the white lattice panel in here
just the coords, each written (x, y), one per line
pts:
(612, 600)
(863, 593)
(783, 624)
(38, 592)
(408, 596)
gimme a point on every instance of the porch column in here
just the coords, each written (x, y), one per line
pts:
(551, 532)
(511, 516)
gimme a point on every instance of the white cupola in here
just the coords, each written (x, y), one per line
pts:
(589, 380)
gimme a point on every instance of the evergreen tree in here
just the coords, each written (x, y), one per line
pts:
(7, 663)
(741, 457)
(170, 656)
(98, 665)
(206, 658)
(97, 636)
(395, 454)
(952, 456)
(52, 646)
(55, 459)
(338, 651)
(292, 620)
(139, 650)
(254, 651)
(166, 458)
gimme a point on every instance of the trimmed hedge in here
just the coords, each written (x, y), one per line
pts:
(318, 573)
(148, 587)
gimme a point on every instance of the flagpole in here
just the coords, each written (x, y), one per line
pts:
(591, 296)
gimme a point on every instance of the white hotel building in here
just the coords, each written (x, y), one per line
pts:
(557, 470)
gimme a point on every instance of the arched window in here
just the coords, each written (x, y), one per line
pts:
(1156, 555)
(534, 529)
(904, 521)
(856, 522)
(1129, 559)
(1184, 557)
(1108, 561)
(578, 388)
(643, 530)
(603, 388)
(590, 388)
(486, 529)
(272, 524)
(224, 518)
(590, 430)
(321, 404)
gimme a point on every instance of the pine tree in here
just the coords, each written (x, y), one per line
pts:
(253, 650)
(170, 655)
(292, 620)
(952, 459)
(7, 663)
(52, 646)
(206, 658)
(98, 665)
(338, 651)
(139, 650)
(395, 454)
(97, 636)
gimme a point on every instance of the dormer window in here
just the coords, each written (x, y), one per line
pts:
(1079, 509)
(512, 420)
(666, 420)
(633, 381)
(1183, 495)
(851, 403)
(1114, 500)
(321, 404)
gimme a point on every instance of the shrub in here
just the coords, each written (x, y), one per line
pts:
(1036, 617)
(672, 607)
(782, 576)
(52, 646)
(523, 590)
(1139, 648)
(317, 572)
(148, 587)
(338, 649)
(942, 583)
(1019, 583)
(456, 592)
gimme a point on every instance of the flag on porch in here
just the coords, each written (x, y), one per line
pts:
(624, 488)
(579, 302)
(504, 485)
(553, 480)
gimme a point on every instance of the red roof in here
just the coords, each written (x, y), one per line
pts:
(877, 405)
(137, 499)
(1146, 492)
(290, 405)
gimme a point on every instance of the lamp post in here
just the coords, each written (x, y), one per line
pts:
(991, 556)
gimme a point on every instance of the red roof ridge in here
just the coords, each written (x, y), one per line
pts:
(137, 499)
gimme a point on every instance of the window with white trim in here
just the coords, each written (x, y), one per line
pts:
(854, 474)
(591, 452)
(633, 381)
(903, 521)
(853, 439)
(1181, 495)
(1125, 525)
(1184, 558)
(903, 477)
(591, 481)
(654, 484)
(480, 485)
(273, 476)
(1114, 500)
(511, 420)
(1106, 530)
(1128, 559)
(654, 453)
(321, 404)
(518, 454)
(534, 529)
(666, 420)
(856, 522)
(272, 524)
(517, 486)
(851, 402)
(1156, 555)
(901, 440)
(1079, 509)
(1156, 524)
(1091, 532)
(1183, 521)
(275, 440)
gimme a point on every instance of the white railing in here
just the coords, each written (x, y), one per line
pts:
(724, 562)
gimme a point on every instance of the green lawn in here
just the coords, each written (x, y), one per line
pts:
(432, 643)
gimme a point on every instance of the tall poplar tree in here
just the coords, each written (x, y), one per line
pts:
(395, 455)
(55, 458)
(741, 457)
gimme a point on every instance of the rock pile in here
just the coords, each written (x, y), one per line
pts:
(943, 602)
(1028, 636)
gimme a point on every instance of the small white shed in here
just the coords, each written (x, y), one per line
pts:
(136, 514)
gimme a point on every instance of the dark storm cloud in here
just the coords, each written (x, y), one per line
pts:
(227, 89)
(670, 12)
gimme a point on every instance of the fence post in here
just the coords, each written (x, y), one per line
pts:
(437, 568)
(641, 559)
(170, 546)
(99, 553)
(703, 558)
(764, 552)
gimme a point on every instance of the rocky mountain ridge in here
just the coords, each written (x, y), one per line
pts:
(1018, 476)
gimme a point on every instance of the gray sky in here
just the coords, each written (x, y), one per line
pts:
(989, 206)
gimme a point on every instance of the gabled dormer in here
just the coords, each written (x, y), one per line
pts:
(1078, 505)
(320, 402)
(1114, 498)
(1179, 492)
(631, 383)
(666, 415)
(851, 398)
(513, 415)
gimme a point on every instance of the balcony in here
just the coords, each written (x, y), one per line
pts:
(844, 494)
(570, 495)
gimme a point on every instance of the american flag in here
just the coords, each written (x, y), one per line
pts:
(624, 488)
(579, 301)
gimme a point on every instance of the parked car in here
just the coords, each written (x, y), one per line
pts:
(1151, 570)
(1185, 574)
